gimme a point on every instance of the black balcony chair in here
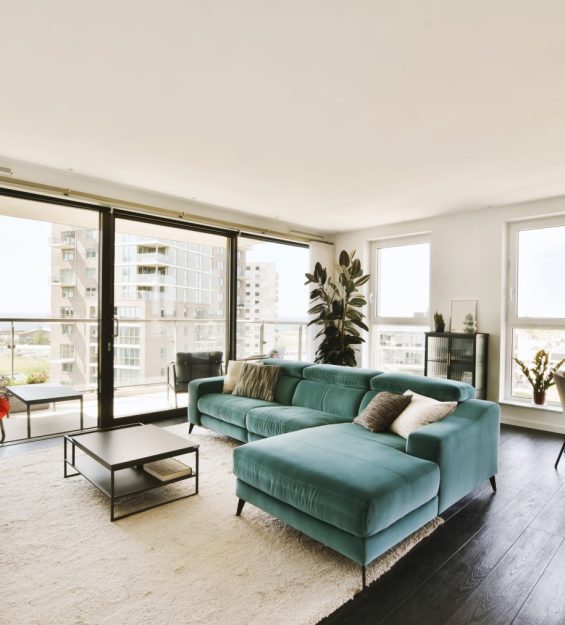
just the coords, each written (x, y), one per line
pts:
(190, 366)
(559, 378)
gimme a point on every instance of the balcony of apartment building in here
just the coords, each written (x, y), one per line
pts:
(64, 240)
(63, 278)
(153, 254)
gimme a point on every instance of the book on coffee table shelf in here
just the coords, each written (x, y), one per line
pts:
(168, 469)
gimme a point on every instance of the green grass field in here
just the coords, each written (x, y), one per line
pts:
(22, 364)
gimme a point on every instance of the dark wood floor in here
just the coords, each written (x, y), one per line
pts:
(498, 558)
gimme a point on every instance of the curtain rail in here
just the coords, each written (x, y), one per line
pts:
(148, 209)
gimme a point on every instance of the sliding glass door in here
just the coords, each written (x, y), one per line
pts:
(271, 299)
(170, 298)
(48, 313)
(113, 305)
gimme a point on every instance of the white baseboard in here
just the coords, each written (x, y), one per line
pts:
(538, 424)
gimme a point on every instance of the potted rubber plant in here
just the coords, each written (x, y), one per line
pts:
(337, 305)
(540, 375)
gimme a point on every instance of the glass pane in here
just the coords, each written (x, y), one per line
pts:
(399, 348)
(541, 258)
(403, 281)
(525, 343)
(271, 300)
(170, 297)
(48, 312)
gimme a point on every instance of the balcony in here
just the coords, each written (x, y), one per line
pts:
(154, 258)
(143, 348)
(63, 242)
(152, 278)
(63, 280)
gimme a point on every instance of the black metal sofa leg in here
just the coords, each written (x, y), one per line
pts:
(493, 482)
(240, 505)
(190, 427)
(364, 577)
(559, 456)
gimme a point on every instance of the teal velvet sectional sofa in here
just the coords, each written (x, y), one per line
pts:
(356, 491)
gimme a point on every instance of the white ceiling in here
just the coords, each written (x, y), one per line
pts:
(330, 114)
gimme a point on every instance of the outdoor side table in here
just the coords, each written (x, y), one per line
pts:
(31, 394)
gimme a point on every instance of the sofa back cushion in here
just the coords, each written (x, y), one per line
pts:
(352, 377)
(437, 388)
(334, 389)
(289, 377)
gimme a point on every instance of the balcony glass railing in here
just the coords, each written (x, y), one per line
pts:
(152, 278)
(62, 351)
(152, 258)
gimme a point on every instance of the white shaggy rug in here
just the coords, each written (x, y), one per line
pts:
(188, 563)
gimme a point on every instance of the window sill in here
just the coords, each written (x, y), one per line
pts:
(530, 405)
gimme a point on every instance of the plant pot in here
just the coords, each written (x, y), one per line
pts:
(539, 398)
(440, 327)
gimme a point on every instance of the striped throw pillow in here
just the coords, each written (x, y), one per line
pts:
(257, 381)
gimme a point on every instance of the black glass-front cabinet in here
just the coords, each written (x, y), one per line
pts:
(458, 356)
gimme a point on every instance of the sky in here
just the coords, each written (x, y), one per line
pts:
(404, 280)
(25, 257)
(26, 265)
(25, 262)
(292, 263)
(541, 286)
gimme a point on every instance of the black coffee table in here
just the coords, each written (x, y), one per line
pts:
(31, 394)
(113, 460)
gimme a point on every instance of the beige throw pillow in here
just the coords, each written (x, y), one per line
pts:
(420, 411)
(257, 381)
(232, 376)
(382, 410)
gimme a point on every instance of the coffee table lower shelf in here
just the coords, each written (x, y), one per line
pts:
(119, 483)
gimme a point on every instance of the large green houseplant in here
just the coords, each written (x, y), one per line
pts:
(337, 305)
(540, 375)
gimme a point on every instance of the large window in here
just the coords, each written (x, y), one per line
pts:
(536, 299)
(114, 339)
(401, 296)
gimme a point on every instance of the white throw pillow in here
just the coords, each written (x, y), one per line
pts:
(232, 376)
(420, 411)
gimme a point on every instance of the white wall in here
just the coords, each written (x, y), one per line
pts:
(468, 261)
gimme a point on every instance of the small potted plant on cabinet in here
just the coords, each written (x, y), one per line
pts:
(540, 375)
(439, 322)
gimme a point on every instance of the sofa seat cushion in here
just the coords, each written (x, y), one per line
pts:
(229, 408)
(275, 420)
(340, 474)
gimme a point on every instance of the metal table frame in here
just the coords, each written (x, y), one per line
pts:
(148, 482)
